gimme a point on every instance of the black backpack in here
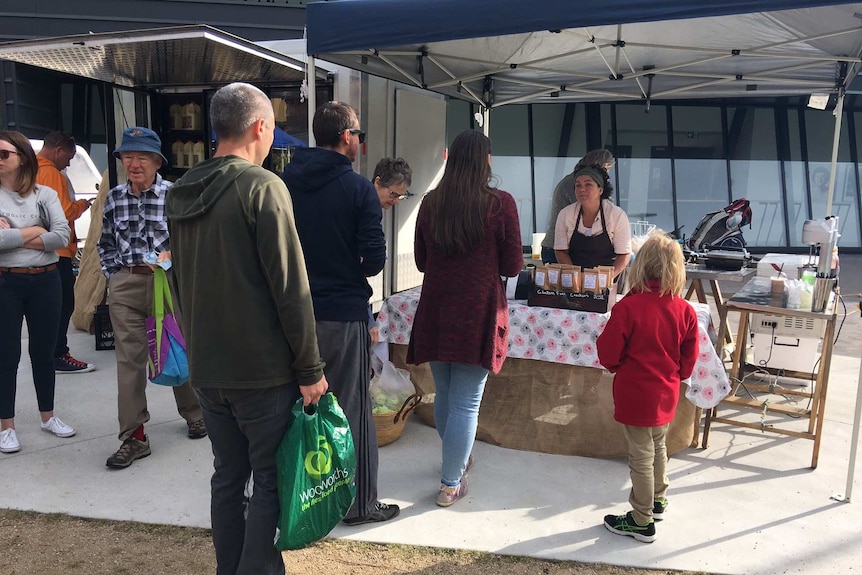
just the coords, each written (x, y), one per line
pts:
(721, 229)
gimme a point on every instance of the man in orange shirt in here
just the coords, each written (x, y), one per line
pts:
(57, 151)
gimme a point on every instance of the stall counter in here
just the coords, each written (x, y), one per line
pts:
(552, 394)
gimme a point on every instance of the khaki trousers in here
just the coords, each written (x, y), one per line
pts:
(130, 301)
(647, 468)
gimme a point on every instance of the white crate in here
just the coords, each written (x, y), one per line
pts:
(787, 326)
(790, 264)
(783, 352)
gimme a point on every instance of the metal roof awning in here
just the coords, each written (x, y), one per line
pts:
(177, 56)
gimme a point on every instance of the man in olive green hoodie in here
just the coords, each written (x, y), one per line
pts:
(247, 318)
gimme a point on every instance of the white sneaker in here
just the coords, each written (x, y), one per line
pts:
(9, 441)
(58, 428)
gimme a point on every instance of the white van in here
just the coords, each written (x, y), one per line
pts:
(84, 181)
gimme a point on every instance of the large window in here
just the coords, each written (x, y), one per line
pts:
(755, 173)
(510, 160)
(559, 136)
(820, 131)
(643, 165)
(681, 161)
(700, 167)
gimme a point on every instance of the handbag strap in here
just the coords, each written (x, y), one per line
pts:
(161, 297)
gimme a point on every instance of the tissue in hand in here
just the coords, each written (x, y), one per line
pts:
(152, 259)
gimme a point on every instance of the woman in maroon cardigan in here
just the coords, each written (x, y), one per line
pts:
(467, 236)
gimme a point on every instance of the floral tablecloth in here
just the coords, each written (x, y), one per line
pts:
(567, 337)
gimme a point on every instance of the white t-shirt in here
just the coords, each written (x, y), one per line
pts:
(619, 230)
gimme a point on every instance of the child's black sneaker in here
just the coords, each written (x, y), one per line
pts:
(626, 525)
(659, 507)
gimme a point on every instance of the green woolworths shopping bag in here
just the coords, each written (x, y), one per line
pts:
(316, 466)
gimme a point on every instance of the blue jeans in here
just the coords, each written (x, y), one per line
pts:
(458, 394)
(246, 427)
(36, 297)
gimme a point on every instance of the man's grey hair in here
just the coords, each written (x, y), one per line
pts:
(235, 107)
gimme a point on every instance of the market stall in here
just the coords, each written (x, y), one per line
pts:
(552, 394)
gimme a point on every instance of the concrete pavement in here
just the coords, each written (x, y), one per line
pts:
(749, 504)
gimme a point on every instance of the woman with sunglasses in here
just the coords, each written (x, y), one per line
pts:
(467, 236)
(32, 227)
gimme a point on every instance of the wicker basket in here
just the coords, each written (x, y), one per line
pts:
(389, 427)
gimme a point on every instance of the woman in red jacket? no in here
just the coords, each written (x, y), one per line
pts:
(467, 236)
(649, 344)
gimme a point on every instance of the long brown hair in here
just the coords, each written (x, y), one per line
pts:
(459, 205)
(29, 165)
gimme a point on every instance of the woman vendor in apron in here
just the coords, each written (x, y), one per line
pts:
(593, 231)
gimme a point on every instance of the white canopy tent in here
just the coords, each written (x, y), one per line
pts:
(497, 52)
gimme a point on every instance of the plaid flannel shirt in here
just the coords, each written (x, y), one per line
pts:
(133, 226)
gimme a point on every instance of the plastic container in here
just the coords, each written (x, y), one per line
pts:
(197, 152)
(176, 113)
(187, 154)
(191, 116)
(177, 154)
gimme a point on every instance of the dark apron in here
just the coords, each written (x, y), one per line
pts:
(591, 251)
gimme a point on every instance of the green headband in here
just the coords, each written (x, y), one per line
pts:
(594, 173)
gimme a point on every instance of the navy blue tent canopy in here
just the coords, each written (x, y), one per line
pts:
(497, 52)
(341, 25)
(282, 139)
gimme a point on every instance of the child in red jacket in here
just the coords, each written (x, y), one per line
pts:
(650, 345)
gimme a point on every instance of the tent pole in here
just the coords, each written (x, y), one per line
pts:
(486, 118)
(854, 441)
(836, 137)
(311, 79)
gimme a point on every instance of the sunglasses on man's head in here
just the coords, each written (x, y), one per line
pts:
(4, 154)
(356, 131)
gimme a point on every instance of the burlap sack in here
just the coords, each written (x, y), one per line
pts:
(550, 408)
(91, 286)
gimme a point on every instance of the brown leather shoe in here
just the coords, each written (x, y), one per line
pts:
(130, 450)
(197, 429)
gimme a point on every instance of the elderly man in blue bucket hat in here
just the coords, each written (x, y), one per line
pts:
(134, 225)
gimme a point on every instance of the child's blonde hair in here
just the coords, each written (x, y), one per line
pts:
(659, 258)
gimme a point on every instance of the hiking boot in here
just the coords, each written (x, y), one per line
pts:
(446, 498)
(382, 512)
(130, 450)
(9, 441)
(659, 507)
(57, 427)
(197, 429)
(626, 525)
(68, 364)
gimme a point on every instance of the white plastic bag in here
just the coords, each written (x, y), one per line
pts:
(390, 387)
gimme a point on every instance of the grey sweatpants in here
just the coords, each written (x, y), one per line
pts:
(344, 346)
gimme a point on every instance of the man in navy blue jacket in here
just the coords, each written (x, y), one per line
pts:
(338, 219)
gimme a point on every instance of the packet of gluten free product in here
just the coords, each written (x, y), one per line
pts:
(577, 280)
(540, 278)
(554, 276)
(606, 277)
(567, 281)
(590, 281)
